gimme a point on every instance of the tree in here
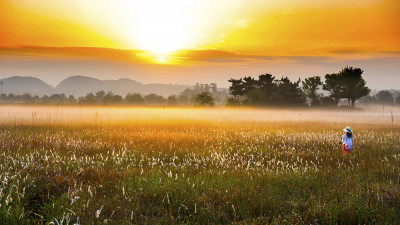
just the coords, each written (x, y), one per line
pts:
(205, 99)
(134, 99)
(108, 99)
(354, 85)
(214, 88)
(310, 88)
(71, 99)
(334, 84)
(267, 87)
(172, 100)
(89, 99)
(249, 84)
(27, 98)
(100, 96)
(367, 100)
(385, 97)
(58, 98)
(254, 97)
(232, 102)
(237, 88)
(153, 99)
(398, 99)
(290, 93)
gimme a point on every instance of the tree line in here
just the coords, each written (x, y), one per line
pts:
(347, 84)
(201, 94)
(383, 97)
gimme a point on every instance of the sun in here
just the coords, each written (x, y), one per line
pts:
(160, 27)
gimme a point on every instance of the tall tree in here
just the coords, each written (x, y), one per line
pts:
(334, 84)
(354, 85)
(267, 87)
(251, 91)
(290, 93)
(237, 88)
(310, 88)
(249, 83)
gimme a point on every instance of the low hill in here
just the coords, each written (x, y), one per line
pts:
(20, 85)
(81, 85)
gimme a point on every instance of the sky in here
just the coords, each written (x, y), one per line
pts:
(205, 41)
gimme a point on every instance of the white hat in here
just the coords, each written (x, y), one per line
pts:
(348, 130)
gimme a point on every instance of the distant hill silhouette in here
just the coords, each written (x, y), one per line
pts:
(81, 85)
(21, 85)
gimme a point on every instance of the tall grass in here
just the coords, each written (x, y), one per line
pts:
(65, 165)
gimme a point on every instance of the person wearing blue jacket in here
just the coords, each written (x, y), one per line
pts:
(347, 140)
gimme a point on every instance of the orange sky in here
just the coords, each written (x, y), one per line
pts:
(180, 37)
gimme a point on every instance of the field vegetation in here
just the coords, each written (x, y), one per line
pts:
(138, 165)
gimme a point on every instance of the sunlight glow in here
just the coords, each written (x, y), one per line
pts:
(152, 57)
(161, 26)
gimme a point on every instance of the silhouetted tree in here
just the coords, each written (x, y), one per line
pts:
(251, 91)
(254, 97)
(45, 99)
(348, 83)
(237, 88)
(354, 85)
(385, 97)
(153, 99)
(134, 99)
(27, 98)
(172, 100)
(310, 88)
(205, 99)
(110, 99)
(267, 88)
(249, 83)
(213, 88)
(334, 84)
(99, 96)
(58, 98)
(290, 93)
(89, 99)
(71, 99)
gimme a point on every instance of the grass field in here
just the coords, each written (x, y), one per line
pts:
(109, 165)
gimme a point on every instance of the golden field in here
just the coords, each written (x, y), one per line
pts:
(135, 165)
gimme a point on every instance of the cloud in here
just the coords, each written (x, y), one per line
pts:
(348, 50)
(184, 56)
(216, 56)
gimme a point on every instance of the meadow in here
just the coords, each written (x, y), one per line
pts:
(163, 165)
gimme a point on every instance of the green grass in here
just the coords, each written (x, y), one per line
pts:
(198, 173)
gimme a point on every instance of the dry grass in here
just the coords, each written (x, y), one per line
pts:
(66, 165)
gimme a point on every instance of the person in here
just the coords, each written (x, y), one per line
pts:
(347, 140)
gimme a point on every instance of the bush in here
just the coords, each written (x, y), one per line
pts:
(204, 99)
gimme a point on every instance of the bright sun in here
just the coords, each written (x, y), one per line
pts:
(161, 26)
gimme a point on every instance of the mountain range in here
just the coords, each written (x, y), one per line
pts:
(82, 85)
